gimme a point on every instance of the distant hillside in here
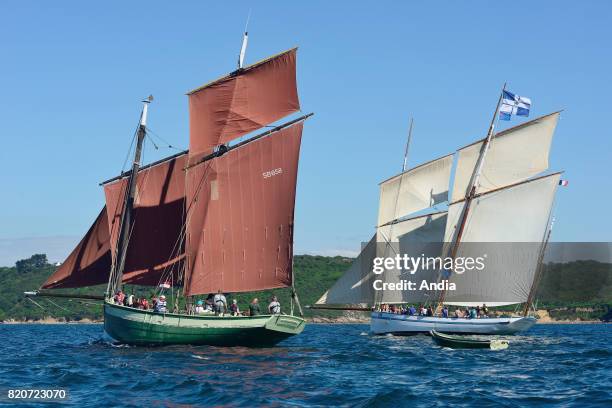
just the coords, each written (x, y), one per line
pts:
(313, 276)
(569, 288)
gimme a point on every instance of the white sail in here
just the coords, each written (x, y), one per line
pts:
(355, 285)
(416, 237)
(507, 228)
(414, 190)
(514, 155)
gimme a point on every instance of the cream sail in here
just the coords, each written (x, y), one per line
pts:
(514, 155)
(496, 205)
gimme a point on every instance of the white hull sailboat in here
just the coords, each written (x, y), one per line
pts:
(402, 325)
(497, 210)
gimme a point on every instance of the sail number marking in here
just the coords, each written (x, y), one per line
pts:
(272, 173)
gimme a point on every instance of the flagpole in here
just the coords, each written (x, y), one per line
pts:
(471, 190)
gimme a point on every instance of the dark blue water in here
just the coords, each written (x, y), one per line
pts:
(339, 365)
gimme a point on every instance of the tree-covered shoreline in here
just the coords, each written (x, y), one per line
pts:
(579, 290)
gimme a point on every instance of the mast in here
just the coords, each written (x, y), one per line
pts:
(245, 41)
(472, 187)
(127, 220)
(404, 166)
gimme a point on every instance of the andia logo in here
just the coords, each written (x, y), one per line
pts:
(272, 173)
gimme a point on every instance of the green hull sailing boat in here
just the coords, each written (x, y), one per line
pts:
(217, 218)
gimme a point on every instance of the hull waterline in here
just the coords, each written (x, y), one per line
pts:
(390, 323)
(141, 327)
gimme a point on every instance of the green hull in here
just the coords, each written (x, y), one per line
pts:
(141, 327)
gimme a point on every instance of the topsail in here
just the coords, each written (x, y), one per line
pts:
(514, 155)
(242, 102)
(416, 189)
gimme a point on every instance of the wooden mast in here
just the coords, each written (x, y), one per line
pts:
(127, 221)
(472, 189)
(405, 165)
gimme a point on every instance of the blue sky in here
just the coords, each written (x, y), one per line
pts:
(73, 74)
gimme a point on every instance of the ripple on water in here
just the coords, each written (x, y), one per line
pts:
(340, 365)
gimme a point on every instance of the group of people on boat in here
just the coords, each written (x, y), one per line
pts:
(476, 312)
(157, 304)
(214, 304)
(217, 304)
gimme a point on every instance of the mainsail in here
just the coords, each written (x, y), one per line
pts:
(240, 216)
(156, 240)
(89, 263)
(508, 225)
(514, 155)
(241, 102)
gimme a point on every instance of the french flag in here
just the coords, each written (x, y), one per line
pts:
(563, 183)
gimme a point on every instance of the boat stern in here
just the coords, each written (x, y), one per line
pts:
(286, 324)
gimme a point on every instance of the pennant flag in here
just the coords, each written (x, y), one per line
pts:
(563, 183)
(513, 105)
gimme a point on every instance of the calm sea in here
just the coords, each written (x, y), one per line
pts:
(338, 365)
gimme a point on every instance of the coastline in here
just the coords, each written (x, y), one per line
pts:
(350, 318)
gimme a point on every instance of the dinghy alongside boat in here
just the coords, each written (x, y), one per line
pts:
(455, 342)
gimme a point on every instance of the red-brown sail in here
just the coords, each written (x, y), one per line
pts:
(89, 263)
(242, 102)
(240, 222)
(159, 213)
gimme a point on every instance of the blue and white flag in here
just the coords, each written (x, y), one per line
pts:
(513, 105)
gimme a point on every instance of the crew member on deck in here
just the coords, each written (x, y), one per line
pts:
(220, 302)
(485, 310)
(254, 308)
(160, 306)
(274, 307)
(411, 310)
(444, 311)
(199, 309)
(119, 297)
(144, 304)
(235, 311)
